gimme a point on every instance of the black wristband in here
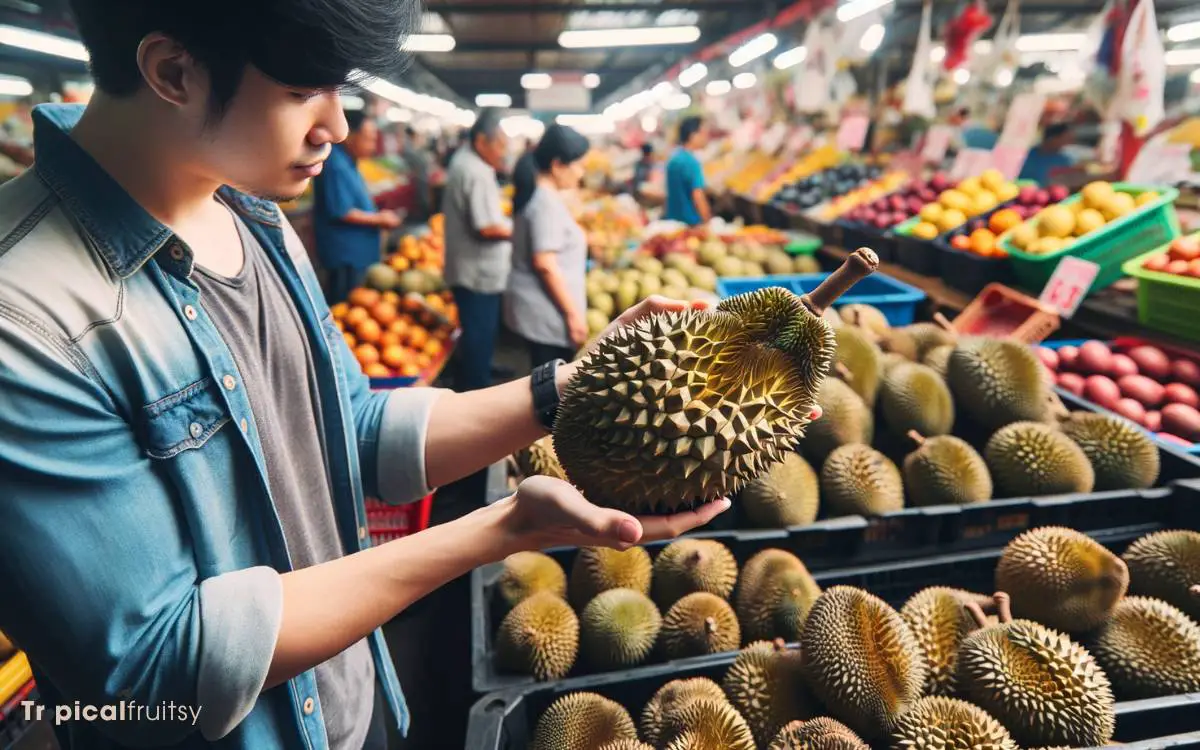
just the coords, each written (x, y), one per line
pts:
(545, 392)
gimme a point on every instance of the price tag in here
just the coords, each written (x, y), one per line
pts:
(1009, 160)
(937, 142)
(852, 133)
(1021, 125)
(970, 162)
(1069, 285)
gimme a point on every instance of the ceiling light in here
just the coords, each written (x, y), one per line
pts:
(1189, 56)
(591, 81)
(693, 74)
(587, 124)
(937, 53)
(13, 86)
(753, 49)
(872, 38)
(503, 101)
(536, 81)
(428, 43)
(649, 123)
(518, 126)
(718, 88)
(962, 76)
(1184, 32)
(1004, 77)
(1195, 76)
(37, 41)
(399, 114)
(788, 58)
(352, 103)
(405, 97)
(677, 101)
(464, 118)
(744, 80)
(631, 37)
(1050, 42)
(857, 8)
(662, 90)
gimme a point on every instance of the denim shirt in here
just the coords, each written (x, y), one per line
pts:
(140, 551)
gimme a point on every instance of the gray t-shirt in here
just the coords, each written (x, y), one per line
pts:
(262, 327)
(545, 225)
(471, 201)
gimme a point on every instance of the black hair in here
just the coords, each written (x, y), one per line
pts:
(1055, 130)
(487, 122)
(304, 44)
(355, 119)
(689, 127)
(560, 144)
(647, 149)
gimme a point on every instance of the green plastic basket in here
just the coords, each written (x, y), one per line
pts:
(1150, 226)
(1166, 302)
(802, 243)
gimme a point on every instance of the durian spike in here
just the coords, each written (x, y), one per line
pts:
(916, 437)
(862, 263)
(976, 613)
(1003, 607)
(843, 372)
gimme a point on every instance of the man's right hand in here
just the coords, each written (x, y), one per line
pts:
(577, 328)
(390, 219)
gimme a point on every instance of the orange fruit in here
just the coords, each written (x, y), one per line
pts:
(394, 356)
(356, 316)
(377, 370)
(388, 339)
(983, 242)
(399, 327)
(366, 354)
(364, 297)
(368, 331)
(1004, 220)
(424, 361)
(961, 242)
(391, 298)
(339, 310)
(417, 337)
(409, 370)
(385, 313)
(350, 340)
(412, 252)
(433, 348)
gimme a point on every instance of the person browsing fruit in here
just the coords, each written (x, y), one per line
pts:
(185, 437)
(1047, 157)
(686, 200)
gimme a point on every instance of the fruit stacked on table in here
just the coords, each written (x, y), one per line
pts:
(394, 335)
(424, 253)
(873, 191)
(900, 206)
(1058, 226)
(1142, 383)
(1182, 258)
(755, 167)
(820, 187)
(973, 196)
(811, 163)
(982, 237)
(609, 226)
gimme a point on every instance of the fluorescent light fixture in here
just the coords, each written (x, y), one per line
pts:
(753, 49)
(37, 41)
(1184, 32)
(399, 114)
(872, 38)
(1005, 77)
(857, 8)
(587, 124)
(352, 103)
(788, 58)
(744, 80)
(423, 103)
(536, 81)
(649, 123)
(962, 76)
(630, 37)
(662, 90)
(1050, 42)
(693, 74)
(591, 81)
(516, 126)
(677, 101)
(13, 86)
(718, 88)
(629, 106)
(937, 53)
(1195, 76)
(503, 101)
(428, 43)
(464, 118)
(1188, 56)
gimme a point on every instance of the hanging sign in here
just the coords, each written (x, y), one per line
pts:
(970, 162)
(852, 133)
(937, 142)
(1021, 125)
(1009, 160)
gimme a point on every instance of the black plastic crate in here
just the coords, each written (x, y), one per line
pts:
(966, 271)
(917, 255)
(855, 235)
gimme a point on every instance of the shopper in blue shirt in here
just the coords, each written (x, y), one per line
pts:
(686, 201)
(349, 229)
(1047, 157)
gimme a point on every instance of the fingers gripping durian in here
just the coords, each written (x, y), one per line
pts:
(684, 408)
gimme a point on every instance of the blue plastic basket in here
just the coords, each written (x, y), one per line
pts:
(895, 299)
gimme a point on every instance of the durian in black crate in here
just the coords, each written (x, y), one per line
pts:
(684, 408)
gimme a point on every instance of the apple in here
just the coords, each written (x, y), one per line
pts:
(1194, 269)
(1027, 195)
(1058, 193)
(897, 203)
(1121, 365)
(1178, 267)
(1049, 358)
(1068, 357)
(1157, 262)
(883, 221)
(1042, 198)
(915, 205)
(1152, 421)
(1185, 248)
(1186, 371)
(939, 182)
(1071, 382)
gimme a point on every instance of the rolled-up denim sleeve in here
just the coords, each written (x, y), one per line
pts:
(97, 571)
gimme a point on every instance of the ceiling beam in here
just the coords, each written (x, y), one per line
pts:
(526, 9)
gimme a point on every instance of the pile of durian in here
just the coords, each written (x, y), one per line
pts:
(1040, 664)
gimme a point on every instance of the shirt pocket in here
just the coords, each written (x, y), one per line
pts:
(184, 420)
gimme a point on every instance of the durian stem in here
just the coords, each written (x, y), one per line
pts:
(944, 322)
(916, 437)
(976, 614)
(1004, 607)
(861, 264)
(843, 372)
(710, 625)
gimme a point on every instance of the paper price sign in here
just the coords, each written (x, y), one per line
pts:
(1069, 285)
(937, 142)
(852, 133)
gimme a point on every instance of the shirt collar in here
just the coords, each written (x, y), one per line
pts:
(124, 233)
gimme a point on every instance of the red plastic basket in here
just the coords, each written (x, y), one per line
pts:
(386, 522)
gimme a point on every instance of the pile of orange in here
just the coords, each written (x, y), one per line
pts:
(393, 336)
(427, 253)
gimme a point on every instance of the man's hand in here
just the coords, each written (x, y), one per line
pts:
(577, 328)
(390, 219)
(548, 512)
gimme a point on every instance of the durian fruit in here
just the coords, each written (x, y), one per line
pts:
(683, 408)
(914, 397)
(583, 721)
(938, 359)
(618, 629)
(670, 698)
(940, 723)
(598, 569)
(775, 596)
(1149, 649)
(1166, 565)
(539, 459)
(821, 733)
(787, 494)
(939, 621)
(845, 420)
(862, 660)
(539, 638)
(1061, 578)
(689, 565)
(529, 573)
(945, 470)
(627, 745)
(859, 359)
(1122, 454)
(1032, 459)
(859, 480)
(929, 336)
(766, 685)
(900, 342)
(997, 382)
(707, 725)
(699, 624)
(1042, 686)
(867, 317)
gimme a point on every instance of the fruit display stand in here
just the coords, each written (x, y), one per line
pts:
(1146, 227)
(895, 299)
(1167, 301)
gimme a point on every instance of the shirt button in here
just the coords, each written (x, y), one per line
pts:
(177, 252)
(189, 312)
(195, 429)
(309, 706)
(229, 382)
(245, 425)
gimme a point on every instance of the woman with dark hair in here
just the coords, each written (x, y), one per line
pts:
(546, 302)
